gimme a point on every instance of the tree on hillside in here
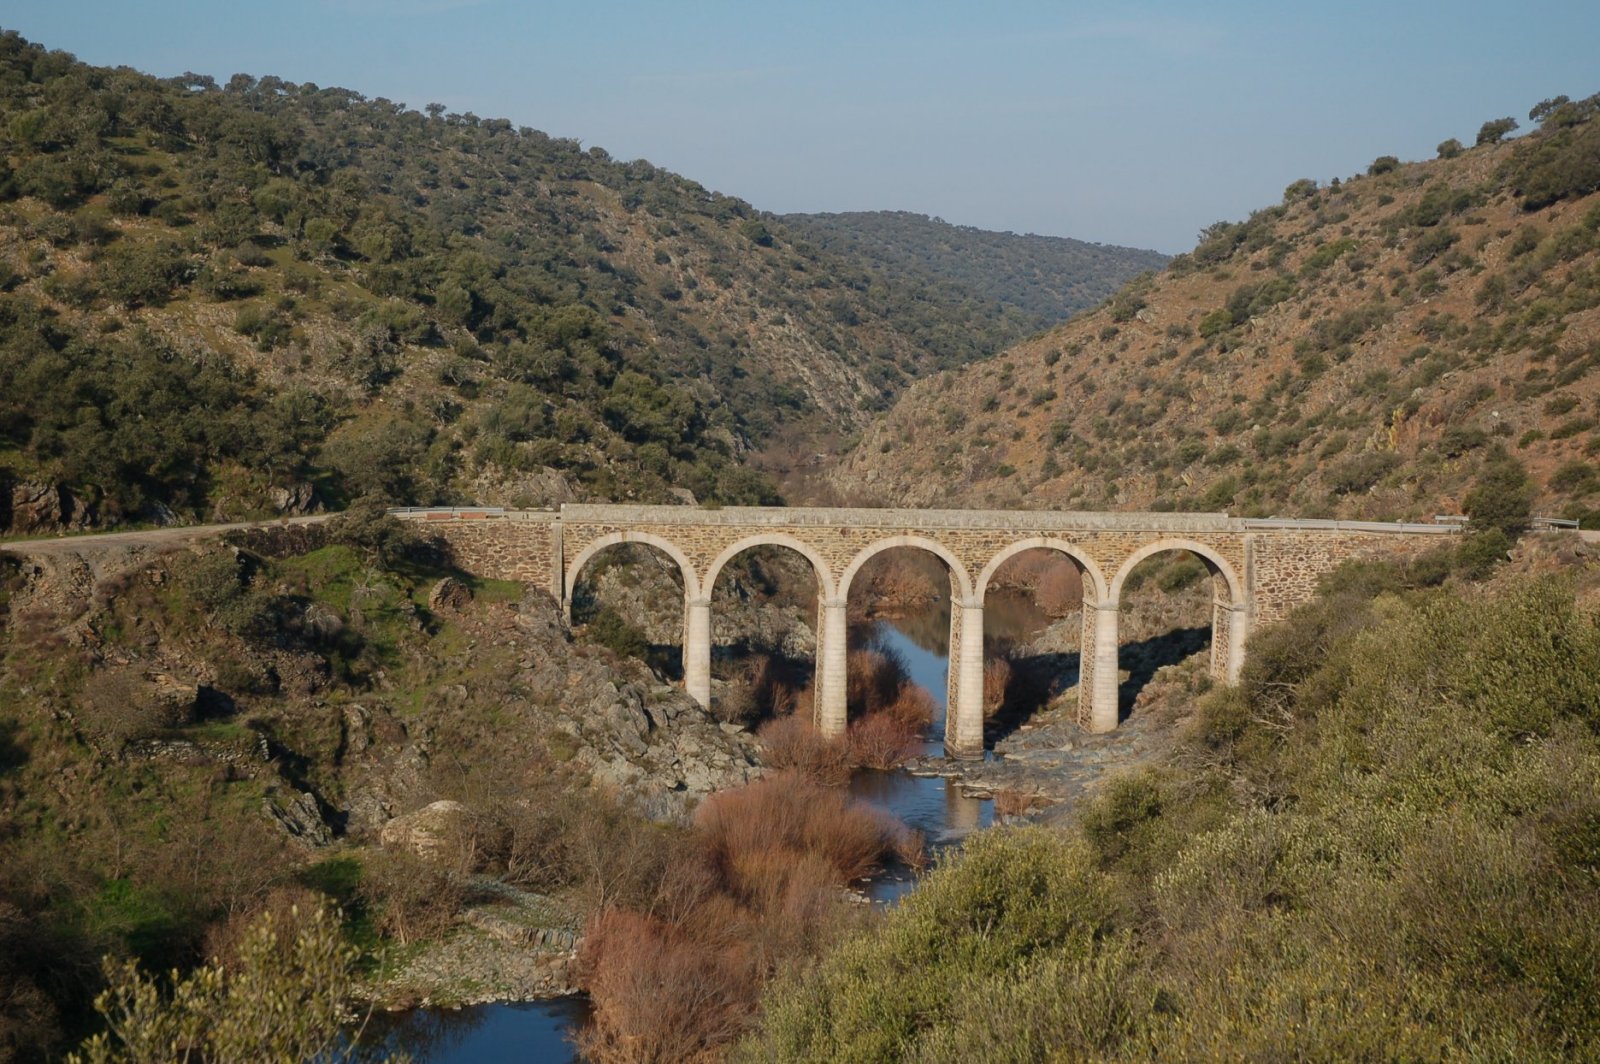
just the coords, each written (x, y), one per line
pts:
(1495, 130)
(1502, 498)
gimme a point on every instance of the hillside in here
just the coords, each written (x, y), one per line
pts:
(1046, 278)
(1357, 350)
(428, 306)
(1379, 845)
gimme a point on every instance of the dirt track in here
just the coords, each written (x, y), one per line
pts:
(155, 537)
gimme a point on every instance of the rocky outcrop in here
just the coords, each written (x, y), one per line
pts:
(44, 507)
(295, 500)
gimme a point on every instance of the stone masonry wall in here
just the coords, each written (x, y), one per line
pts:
(1286, 564)
(523, 547)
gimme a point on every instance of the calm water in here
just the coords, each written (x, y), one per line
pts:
(538, 1031)
(533, 1032)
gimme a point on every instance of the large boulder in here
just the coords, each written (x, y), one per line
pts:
(435, 832)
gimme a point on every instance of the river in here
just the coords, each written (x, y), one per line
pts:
(537, 1030)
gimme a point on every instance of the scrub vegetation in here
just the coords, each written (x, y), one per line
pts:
(1382, 843)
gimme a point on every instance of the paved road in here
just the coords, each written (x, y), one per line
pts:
(1590, 537)
(178, 535)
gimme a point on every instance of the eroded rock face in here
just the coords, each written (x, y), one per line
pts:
(295, 500)
(298, 814)
(449, 595)
(36, 507)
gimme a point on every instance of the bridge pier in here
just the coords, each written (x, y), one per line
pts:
(963, 721)
(1229, 628)
(1098, 667)
(697, 650)
(832, 684)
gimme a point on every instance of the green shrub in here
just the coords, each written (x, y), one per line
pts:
(1495, 130)
(1502, 497)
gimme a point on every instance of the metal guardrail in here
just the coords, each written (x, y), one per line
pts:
(1348, 526)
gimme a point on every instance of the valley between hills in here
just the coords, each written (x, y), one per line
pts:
(255, 785)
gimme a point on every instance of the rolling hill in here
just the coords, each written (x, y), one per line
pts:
(1360, 349)
(226, 300)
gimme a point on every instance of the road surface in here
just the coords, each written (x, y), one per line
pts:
(175, 536)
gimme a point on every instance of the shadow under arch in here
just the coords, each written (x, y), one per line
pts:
(776, 674)
(1225, 633)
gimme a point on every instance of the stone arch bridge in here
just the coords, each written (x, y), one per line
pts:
(1260, 569)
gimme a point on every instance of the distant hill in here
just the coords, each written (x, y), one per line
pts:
(219, 299)
(1358, 350)
(1049, 278)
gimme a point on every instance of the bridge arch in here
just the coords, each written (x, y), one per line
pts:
(691, 582)
(1215, 562)
(819, 564)
(962, 579)
(787, 674)
(1096, 581)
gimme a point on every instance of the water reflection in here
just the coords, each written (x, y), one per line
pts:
(484, 1034)
(933, 805)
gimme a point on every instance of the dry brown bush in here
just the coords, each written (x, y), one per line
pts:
(1009, 802)
(874, 679)
(1060, 591)
(793, 743)
(660, 995)
(788, 812)
(28, 1018)
(414, 898)
(118, 705)
(912, 709)
(883, 741)
(679, 980)
(897, 580)
(283, 904)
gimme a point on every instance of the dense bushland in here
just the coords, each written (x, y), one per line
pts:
(1381, 844)
(1042, 280)
(369, 298)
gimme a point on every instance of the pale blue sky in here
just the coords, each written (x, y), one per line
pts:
(1128, 124)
